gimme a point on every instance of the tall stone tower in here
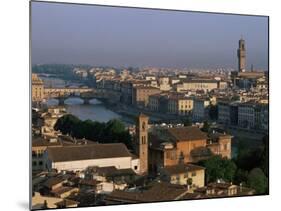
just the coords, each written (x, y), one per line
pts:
(142, 142)
(241, 53)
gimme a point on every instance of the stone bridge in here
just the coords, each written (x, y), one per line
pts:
(86, 94)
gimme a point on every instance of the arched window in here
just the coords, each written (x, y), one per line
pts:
(143, 141)
(143, 125)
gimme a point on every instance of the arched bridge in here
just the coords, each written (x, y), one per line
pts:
(86, 94)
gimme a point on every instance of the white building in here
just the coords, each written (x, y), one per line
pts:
(164, 84)
(79, 157)
(150, 78)
(205, 85)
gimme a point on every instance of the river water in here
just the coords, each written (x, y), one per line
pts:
(96, 111)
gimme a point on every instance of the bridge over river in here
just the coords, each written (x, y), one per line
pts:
(86, 94)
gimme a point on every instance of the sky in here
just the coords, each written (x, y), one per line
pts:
(123, 37)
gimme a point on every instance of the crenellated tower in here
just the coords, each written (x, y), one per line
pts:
(241, 54)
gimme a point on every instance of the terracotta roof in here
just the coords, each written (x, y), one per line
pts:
(62, 190)
(87, 152)
(111, 171)
(146, 87)
(41, 142)
(182, 168)
(84, 198)
(66, 203)
(189, 196)
(53, 181)
(186, 133)
(199, 81)
(155, 142)
(201, 152)
(158, 192)
(222, 185)
(89, 182)
(120, 172)
(134, 156)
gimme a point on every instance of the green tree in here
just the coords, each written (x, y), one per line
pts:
(114, 131)
(229, 169)
(258, 181)
(115, 126)
(265, 156)
(219, 168)
(248, 159)
(241, 176)
(67, 123)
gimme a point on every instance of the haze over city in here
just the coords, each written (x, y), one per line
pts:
(113, 36)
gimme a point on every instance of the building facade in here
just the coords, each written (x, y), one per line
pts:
(184, 174)
(200, 109)
(182, 145)
(140, 95)
(180, 105)
(253, 116)
(80, 157)
(205, 85)
(37, 88)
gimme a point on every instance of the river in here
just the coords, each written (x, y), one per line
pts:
(95, 111)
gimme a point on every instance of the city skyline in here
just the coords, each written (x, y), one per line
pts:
(140, 37)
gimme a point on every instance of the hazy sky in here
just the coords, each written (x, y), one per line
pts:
(96, 35)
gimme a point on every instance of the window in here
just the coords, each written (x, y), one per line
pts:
(40, 163)
(143, 141)
(174, 155)
(34, 163)
(135, 167)
(193, 174)
(143, 126)
(225, 146)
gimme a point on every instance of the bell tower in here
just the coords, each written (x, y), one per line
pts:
(142, 142)
(241, 54)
